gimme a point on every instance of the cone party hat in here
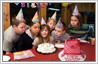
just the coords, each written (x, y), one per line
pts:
(20, 15)
(42, 21)
(75, 12)
(59, 24)
(54, 16)
(35, 18)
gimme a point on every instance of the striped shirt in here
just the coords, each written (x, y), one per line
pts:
(85, 32)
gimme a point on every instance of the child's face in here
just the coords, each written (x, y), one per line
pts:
(74, 21)
(44, 32)
(20, 29)
(51, 24)
(35, 28)
(59, 32)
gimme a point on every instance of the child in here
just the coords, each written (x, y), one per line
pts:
(52, 22)
(44, 36)
(28, 37)
(59, 33)
(11, 35)
(78, 29)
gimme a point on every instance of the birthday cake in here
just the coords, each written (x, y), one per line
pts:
(46, 48)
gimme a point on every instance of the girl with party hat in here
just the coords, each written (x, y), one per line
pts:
(11, 34)
(78, 29)
(59, 34)
(43, 36)
(28, 37)
(52, 22)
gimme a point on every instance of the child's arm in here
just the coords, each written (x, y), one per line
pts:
(33, 47)
(52, 40)
(7, 52)
(35, 42)
(20, 44)
(7, 46)
(91, 33)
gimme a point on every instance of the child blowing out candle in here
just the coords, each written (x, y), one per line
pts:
(59, 34)
(28, 37)
(43, 36)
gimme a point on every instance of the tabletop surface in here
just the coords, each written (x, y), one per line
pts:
(87, 48)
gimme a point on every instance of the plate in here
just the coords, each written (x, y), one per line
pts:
(6, 58)
(83, 41)
(59, 45)
(47, 53)
(81, 57)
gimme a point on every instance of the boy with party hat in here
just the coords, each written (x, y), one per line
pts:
(59, 34)
(11, 34)
(29, 35)
(52, 22)
(78, 29)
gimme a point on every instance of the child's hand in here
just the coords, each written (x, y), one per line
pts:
(88, 42)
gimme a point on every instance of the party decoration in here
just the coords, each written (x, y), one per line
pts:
(64, 4)
(23, 54)
(42, 4)
(54, 16)
(87, 13)
(35, 18)
(46, 4)
(16, 3)
(42, 21)
(20, 15)
(59, 24)
(49, 3)
(27, 5)
(22, 4)
(75, 12)
(37, 5)
(33, 5)
(69, 3)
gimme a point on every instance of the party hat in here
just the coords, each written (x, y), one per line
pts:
(75, 12)
(42, 21)
(54, 16)
(20, 15)
(35, 18)
(59, 24)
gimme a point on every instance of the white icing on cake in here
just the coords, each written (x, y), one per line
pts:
(46, 48)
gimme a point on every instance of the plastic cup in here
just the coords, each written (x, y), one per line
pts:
(92, 41)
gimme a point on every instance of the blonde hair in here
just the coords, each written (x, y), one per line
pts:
(47, 37)
(17, 22)
(52, 19)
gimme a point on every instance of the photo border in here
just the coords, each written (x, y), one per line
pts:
(51, 2)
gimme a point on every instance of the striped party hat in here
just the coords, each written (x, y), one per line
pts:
(42, 21)
(35, 18)
(59, 24)
(75, 12)
(54, 16)
(20, 15)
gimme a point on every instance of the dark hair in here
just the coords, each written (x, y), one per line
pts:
(17, 22)
(64, 26)
(48, 36)
(31, 22)
(80, 20)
